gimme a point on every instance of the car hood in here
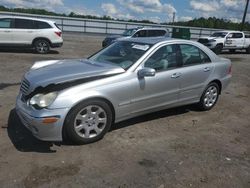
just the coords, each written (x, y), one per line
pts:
(46, 73)
(211, 38)
(113, 37)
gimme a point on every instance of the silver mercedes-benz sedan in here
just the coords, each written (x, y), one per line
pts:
(80, 99)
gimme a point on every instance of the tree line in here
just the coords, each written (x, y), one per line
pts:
(211, 22)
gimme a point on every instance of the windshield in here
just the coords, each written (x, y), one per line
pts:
(129, 32)
(219, 34)
(121, 53)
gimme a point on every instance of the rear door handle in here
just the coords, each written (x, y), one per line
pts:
(176, 75)
(206, 69)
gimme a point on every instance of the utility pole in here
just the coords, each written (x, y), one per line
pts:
(173, 18)
(244, 16)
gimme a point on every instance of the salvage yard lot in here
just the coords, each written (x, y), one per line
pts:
(180, 147)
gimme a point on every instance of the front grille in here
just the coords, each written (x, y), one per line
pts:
(203, 41)
(25, 85)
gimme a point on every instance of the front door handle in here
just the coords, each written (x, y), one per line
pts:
(176, 75)
(7, 31)
(206, 69)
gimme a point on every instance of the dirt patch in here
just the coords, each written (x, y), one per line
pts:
(46, 174)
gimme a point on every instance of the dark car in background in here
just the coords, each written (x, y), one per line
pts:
(137, 32)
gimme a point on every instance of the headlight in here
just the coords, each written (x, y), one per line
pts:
(43, 100)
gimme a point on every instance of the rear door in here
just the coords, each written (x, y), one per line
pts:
(195, 72)
(156, 33)
(6, 35)
(24, 31)
(235, 40)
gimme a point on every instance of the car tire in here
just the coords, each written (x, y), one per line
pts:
(88, 122)
(232, 50)
(42, 46)
(218, 49)
(248, 50)
(209, 97)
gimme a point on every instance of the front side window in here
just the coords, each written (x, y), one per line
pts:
(192, 55)
(164, 58)
(219, 34)
(237, 35)
(24, 24)
(128, 32)
(121, 53)
(5, 23)
(141, 33)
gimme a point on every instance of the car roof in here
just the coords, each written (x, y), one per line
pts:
(148, 28)
(227, 31)
(149, 40)
(27, 18)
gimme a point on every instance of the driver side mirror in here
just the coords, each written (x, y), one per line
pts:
(146, 72)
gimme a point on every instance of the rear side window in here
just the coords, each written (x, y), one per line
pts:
(57, 26)
(41, 25)
(24, 24)
(5, 23)
(156, 33)
(191, 55)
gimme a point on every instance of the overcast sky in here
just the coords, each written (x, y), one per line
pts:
(154, 10)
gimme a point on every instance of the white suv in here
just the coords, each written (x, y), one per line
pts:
(29, 32)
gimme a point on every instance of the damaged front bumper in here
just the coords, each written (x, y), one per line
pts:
(36, 120)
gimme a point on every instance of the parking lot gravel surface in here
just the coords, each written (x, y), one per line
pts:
(177, 148)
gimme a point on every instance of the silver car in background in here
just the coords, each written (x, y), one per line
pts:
(80, 99)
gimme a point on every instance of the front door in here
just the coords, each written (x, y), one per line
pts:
(162, 89)
(235, 40)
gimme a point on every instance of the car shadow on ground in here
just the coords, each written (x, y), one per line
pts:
(153, 116)
(24, 50)
(236, 52)
(24, 141)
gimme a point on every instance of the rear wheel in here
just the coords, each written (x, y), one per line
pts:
(209, 97)
(42, 46)
(248, 50)
(88, 122)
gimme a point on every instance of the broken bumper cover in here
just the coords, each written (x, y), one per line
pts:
(33, 120)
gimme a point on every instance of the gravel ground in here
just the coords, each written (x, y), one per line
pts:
(180, 147)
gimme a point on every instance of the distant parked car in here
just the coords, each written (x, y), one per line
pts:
(80, 99)
(137, 32)
(226, 40)
(30, 32)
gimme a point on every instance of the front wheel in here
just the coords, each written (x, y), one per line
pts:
(42, 46)
(88, 122)
(218, 49)
(209, 97)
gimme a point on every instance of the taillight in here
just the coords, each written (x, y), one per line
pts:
(58, 33)
(230, 70)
